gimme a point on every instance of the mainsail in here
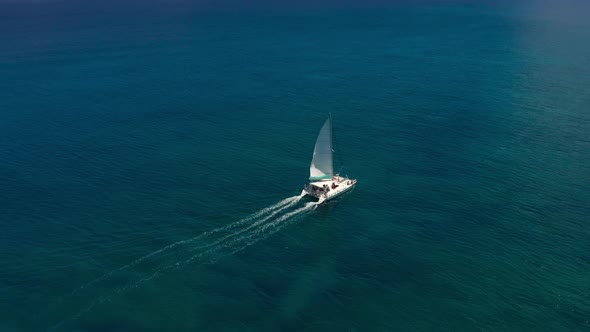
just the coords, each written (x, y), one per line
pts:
(321, 167)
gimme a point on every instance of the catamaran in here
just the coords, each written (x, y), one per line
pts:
(323, 183)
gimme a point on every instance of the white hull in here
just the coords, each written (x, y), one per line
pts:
(333, 188)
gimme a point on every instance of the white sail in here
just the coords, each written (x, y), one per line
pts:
(322, 165)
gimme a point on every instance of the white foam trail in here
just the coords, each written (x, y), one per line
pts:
(259, 233)
(254, 224)
(251, 238)
(279, 205)
(279, 225)
(290, 202)
(251, 217)
(217, 245)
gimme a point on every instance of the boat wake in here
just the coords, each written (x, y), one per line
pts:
(205, 248)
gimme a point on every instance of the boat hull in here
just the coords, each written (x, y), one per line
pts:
(343, 185)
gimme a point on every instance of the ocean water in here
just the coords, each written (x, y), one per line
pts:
(150, 157)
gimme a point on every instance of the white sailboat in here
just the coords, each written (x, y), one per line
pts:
(323, 183)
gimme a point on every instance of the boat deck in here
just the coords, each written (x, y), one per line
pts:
(328, 189)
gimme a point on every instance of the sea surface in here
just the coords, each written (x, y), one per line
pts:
(151, 156)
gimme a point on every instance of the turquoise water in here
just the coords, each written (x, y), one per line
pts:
(150, 158)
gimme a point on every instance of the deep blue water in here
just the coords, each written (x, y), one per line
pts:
(124, 135)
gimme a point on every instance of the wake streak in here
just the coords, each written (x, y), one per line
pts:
(251, 238)
(287, 201)
(242, 234)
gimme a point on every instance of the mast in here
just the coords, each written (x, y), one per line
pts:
(337, 146)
